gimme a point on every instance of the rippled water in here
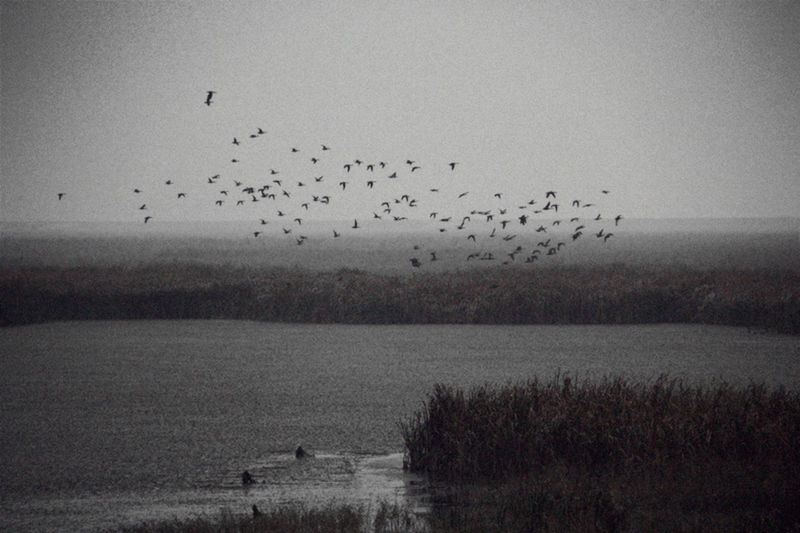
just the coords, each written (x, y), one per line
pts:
(105, 423)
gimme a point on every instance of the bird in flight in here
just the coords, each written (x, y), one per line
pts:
(61, 195)
(209, 95)
(453, 165)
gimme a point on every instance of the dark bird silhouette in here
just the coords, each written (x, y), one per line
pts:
(453, 165)
(261, 132)
(336, 233)
(256, 233)
(463, 194)
(209, 96)
(415, 262)
(147, 218)
(143, 207)
(181, 195)
(343, 184)
(415, 168)
(325, 147)
(617, 219)
(355, 224)
(137, 191)
(61, 195)
(256, 512)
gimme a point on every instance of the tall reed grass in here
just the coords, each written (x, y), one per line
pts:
(610, 456)
(568, 295)
(520, 429)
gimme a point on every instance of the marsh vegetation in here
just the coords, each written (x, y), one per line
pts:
(612, 455)
(615, 294)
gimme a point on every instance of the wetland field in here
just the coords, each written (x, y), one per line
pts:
(647, 384)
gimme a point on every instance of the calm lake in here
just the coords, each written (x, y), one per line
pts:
(117, 422)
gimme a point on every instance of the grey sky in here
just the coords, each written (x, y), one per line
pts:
(681, 109)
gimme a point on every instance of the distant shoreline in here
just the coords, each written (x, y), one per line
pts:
(616, 294)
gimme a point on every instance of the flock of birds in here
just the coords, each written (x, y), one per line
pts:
(287, 199)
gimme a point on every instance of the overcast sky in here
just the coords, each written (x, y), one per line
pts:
(680, 109)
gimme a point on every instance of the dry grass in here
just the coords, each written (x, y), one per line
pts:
(295, 519)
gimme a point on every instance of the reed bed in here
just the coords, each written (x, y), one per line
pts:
(614, 294)
(610, 456)
(342, 518)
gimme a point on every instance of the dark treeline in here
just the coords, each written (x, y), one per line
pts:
(565, 295)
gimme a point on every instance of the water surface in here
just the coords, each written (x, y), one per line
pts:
(115, 422)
